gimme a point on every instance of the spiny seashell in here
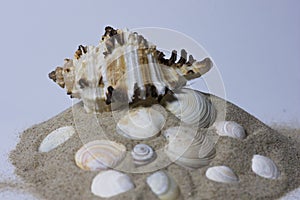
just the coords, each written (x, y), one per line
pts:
(56, 137)
(192, 107)
(99, 155)
(222, 174)
(188, 147)
(111, 183)
(163, 185)
(141, 123)
(142, 154)
(264, 167)
(230, 129)
(124, 67)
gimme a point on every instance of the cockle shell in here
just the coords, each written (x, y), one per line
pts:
(111, 183)
(124, 67)
(222, 174)
(163, 185)
(56, 138)
(142, 154)
(141, 123)
(192, 108)
(264, 167)
(189, 148)
(100, 155)
(230, 129)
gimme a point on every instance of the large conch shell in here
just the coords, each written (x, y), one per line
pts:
(188, 147)
(111, 183)
(124, 67)
(163, 185)
(100, 155)
(192, 108)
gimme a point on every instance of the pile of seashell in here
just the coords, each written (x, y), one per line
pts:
(125, 67)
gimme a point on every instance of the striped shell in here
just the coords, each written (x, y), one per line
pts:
(163, 186)
(56, 138)
(264, 167)
(142, 154)
(230, 129)
(124, 67)
(99, 155)
(189, 148)
(141, 123)
(192, 108)
(222, 174)
(111, 183)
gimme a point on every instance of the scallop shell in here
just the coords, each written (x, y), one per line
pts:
(142, 154)
(189, 148)
(222, 174)
(163, 186)
(264, 167)
(192, 108)
(124, 67)
(111, 183)
(141, 123)
(100, 155)
(56, 138)
(230, 129)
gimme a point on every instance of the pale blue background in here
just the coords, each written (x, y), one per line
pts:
(255, 44)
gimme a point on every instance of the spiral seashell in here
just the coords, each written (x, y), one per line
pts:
(56, 138)
(222, 174)
(100, 155)
(124, 67)
(142, 154)
(230, 129)
(111, 183)
(192, 108)
(163, 186)
(189, 148)
(141, 123)
(264, 167)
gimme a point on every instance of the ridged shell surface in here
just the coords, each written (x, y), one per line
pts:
(163, 186)
(142, 154)
(188, 147)
(230, 129)
(99, 155)
(192, 108)
(222, 174)
(124, 67)
(141, 123)
(264, 167)
(56, 138)
(111, 183)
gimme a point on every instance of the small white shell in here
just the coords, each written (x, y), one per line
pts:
(141, 123)
(163, 186)
(142, 154)
(230, 129)
(188, 148)
(222, 174)
(192, 108)
(110, 183)
(99, 155)
(264, 167)
(56, 138)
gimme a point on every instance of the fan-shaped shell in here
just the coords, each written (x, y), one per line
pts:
(222, 174)
(163, 186)
(230, 129)
(192, 108)
(56, 138)
(141, 123)
(264, 167)
(99, 155)
(188, 147)
(142, 154)
(111, 183)
(124, 67)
